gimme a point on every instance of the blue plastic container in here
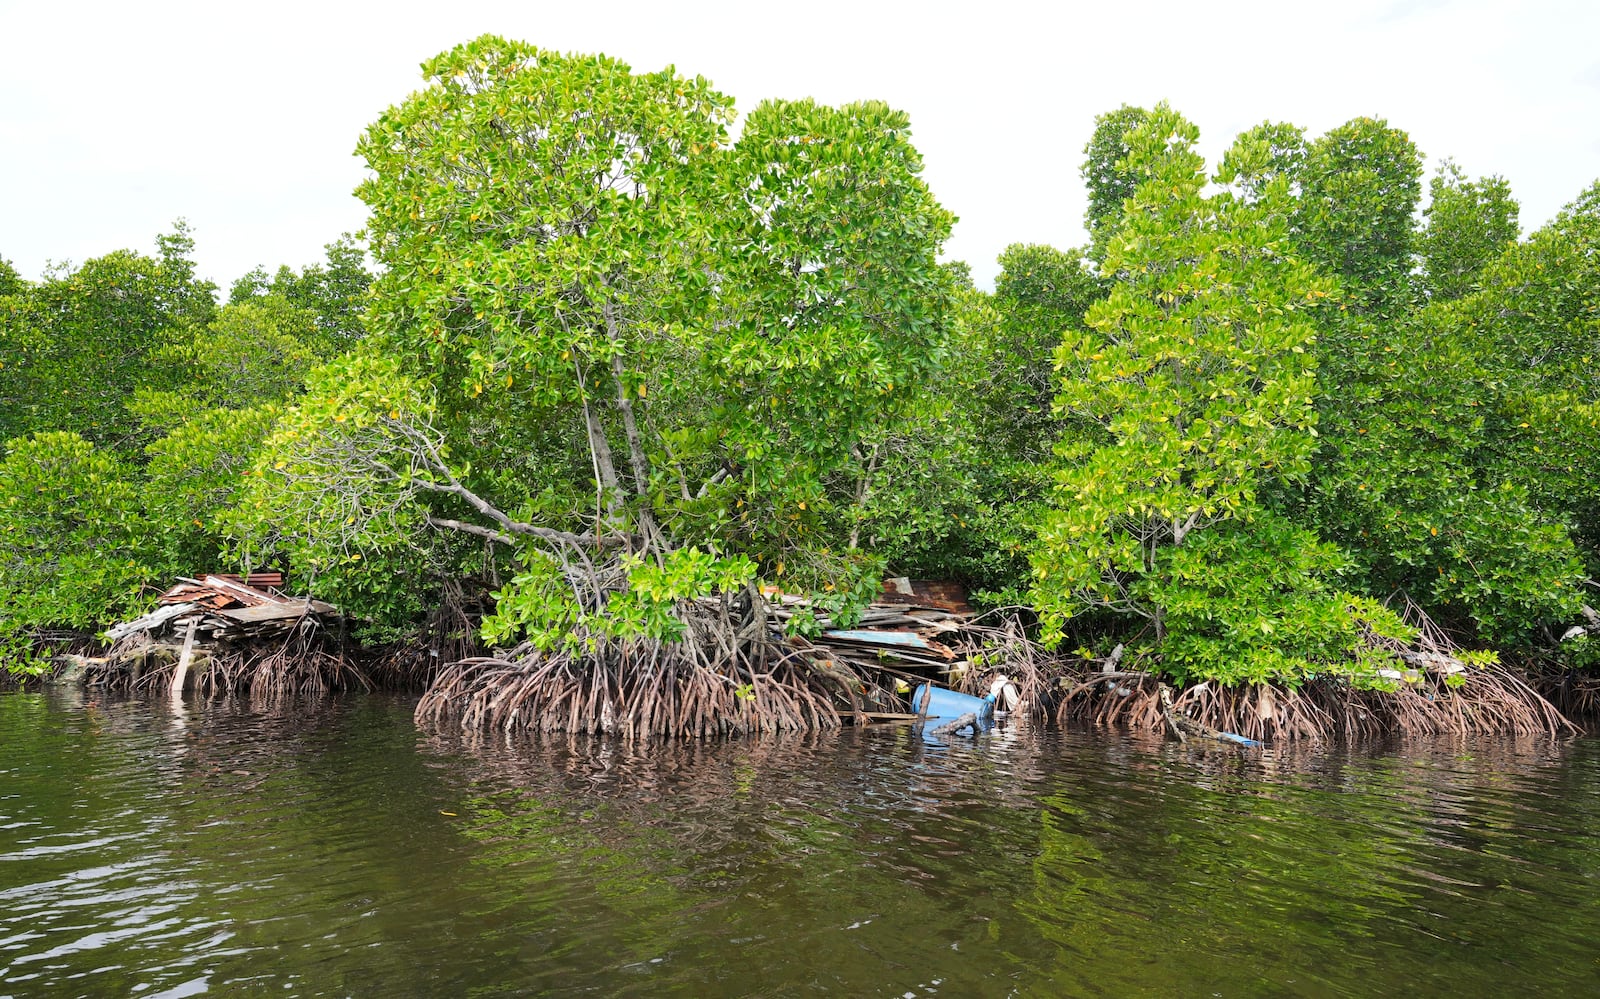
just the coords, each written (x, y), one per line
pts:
(947, 705)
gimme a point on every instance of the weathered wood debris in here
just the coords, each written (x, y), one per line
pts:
(917, 630)
(909, 626)
(234, 633)
(226, 609)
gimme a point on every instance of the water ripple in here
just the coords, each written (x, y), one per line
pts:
(326, 848)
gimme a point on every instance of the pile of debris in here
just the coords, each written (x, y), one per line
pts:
(917, 631)
(226, 608)
(909, 628)
(235, 633)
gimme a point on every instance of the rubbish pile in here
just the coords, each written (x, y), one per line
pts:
(226, 608)
(915, 632)
(237, 633)
(908, 627)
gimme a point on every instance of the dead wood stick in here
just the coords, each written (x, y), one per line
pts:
(952, 727)
(922, 709)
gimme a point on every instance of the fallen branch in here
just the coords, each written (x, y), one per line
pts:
(968, 720)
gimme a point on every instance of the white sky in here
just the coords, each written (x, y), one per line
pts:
(117, 118)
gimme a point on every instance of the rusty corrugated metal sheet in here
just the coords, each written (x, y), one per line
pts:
(220, 591)
(256, 580)
(189, 593)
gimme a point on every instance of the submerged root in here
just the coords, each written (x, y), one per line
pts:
(63, 654)
(448, 634)
(1576, 694)
(1440, 696)
(997, 647)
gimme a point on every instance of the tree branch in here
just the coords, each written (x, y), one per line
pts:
(466, 528)
(433, 462)
(472, 499)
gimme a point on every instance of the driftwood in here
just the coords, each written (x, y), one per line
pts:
(1181, 725)
(184, 659)
(150, 622)
(968, 720)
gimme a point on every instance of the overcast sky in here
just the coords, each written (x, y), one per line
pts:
(117, 118)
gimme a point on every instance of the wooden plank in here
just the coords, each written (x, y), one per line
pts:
(266, 612)
(906, 644)
(150, 622)
(898, 639)
(182, 671)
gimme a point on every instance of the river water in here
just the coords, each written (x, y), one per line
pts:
(329, 848)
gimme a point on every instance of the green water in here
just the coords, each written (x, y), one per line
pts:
(330, 848)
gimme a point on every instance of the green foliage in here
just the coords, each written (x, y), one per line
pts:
(621, 324)
(250, 354)
(1041, 293)
(195, 475)
(536, 217)
(835, 321)
(1256, 602)
(327, 486)
(76, 345)
(87, 528)
(1460, 442)
(334, 293)
(1193, 386)
(1469, 224)
(970, 476)
(1108, 176)
(547, 604)
(1286, 152)
(1400, 486)
(1580, 653)
(1536, 324)
(86, 534)
(599, 326)
(72, 540)
(333, 490)
(1359, 189)
(10, 281)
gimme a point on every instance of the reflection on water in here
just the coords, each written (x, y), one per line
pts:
(328, 848)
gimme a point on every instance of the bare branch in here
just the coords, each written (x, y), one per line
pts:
(478, 503)
(466, 528)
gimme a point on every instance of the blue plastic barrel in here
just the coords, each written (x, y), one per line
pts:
(948, 705)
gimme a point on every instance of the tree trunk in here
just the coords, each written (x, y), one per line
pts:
(605, 470)
(630, 426)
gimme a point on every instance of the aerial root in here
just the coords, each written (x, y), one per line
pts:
(303, 661)
(633, 689)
